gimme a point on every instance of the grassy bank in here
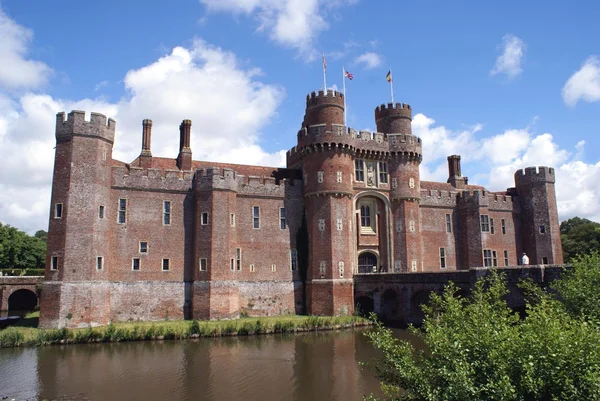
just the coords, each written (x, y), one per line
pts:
(171, 330)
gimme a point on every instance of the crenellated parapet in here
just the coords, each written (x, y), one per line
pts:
(531, 175)
(435, 198)
(75, 124)
(215, 178)
(319, 98)
(151, 179)
(476, 198)
(502, 202)
(394, 118)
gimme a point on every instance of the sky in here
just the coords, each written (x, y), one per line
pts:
(506, 85)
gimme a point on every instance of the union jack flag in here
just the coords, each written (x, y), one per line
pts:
(349, 75)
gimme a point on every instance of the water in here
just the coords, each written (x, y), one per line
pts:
(309, 366)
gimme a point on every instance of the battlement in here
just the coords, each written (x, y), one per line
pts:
(437, 198)
(534, 174)
(75, 124)
(320, 98)
(393, 110)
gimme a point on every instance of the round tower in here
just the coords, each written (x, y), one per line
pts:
(327, 167)
(395, 120)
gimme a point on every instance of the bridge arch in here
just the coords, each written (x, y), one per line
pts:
(22, 299)
(365, 305)
(389, 304)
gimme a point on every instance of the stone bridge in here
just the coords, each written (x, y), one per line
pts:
(398, 296)
(19, 292)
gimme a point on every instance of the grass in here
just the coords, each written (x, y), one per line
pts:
(171, 330)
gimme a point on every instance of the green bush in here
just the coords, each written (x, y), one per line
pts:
(34, 272)
(11, 337)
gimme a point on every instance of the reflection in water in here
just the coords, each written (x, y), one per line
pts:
(311, 366)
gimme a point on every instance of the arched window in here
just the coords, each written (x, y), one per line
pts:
(365, 216)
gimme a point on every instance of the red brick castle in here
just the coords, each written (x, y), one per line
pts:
(177, 238)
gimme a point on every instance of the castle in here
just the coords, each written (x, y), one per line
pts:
(178, 238)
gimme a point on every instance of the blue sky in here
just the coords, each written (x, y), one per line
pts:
(505, 84)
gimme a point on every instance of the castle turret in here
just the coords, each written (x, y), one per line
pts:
(327, 170)
(78, 240)
(540, 230)
(406, 154)
(184, 159)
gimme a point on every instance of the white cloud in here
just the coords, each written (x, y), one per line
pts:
(16, 71)
(584, 84)
(369, 60)
(291, 23)
(226, 102)
(509, 62)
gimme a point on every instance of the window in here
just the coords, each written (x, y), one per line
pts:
(273, 267)
(487, 258)
(359, 170)
(100, 212)
(256, 217)
(341, 269)
(54, 263)
(494, 259)
(238, 259)
(320, 177)
(544, 260)
(394, 183)
(135, 264)
(58, 209)
(339, 177)
(542, 229)
(411, 182)
(339, 224)
(411, 226)
(322, 268)
(143, 247)
(165, 265)
(203, 264)
(252, 268)
(448, 224)
(204, 218)
(397, 266)
(492, 226)
(321, 224)
(383, 173)
(365, 216)
(104, 154)
(232, 264)
(122, 215)
(505, 258)
(503, 223)
(99, 262)
(414, 265)
(485, 223)
(282, 221)
(294, 259)
(442, 258)
(167, 213)
(232, 219)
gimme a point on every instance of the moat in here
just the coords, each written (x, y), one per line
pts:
(310, 366)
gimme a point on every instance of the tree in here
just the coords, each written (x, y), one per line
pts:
(19, 250)
(579, 236)
(478, 349)
(41, 234)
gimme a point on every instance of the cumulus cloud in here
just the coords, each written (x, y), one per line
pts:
(17, 71)
(291, 23)
(227, 103)
(584, 84)
(369, 60)
(509, 62)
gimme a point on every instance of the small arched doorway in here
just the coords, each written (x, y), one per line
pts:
(367, 262)
(22, 300)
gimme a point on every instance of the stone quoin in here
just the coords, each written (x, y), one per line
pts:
(162, 238)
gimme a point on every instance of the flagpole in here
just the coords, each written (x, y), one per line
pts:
(324, 75)
(344, 86)
(392, 84)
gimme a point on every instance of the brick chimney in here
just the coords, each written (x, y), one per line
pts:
(455, 177)
(145, 158)
(184, 159)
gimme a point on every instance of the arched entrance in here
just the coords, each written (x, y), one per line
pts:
(389, 304)
(366, 262)
(22, 300)
(364, 305)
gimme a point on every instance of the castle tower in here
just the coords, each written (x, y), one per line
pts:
(540, 230)
(394, 120)
(78, 261)
(327, 167)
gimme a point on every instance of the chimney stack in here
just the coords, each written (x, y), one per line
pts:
(455, 177)
(184, 159)
(145, 159)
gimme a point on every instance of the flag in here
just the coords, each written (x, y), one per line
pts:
(388, 77)
(349, 75)
(324, 63)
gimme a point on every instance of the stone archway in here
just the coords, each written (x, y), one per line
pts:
(22, 300)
